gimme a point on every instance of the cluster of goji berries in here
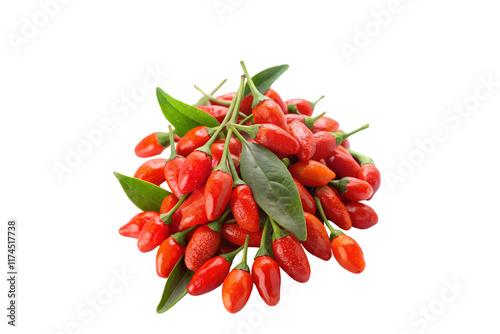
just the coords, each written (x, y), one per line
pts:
(215, 208)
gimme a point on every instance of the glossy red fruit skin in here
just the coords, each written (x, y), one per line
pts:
(303, 106)
(311, 173)
(209, 276)
(342, 163)
(195, 214)
(325, 143)
(169, 253)
(168, 203)
(133, 228)
(202, 247)
(325, 123)
(362, 216)
(357, 190)
(244, 208)
(246, 102)
(276, 139)
(217, 193)
(289, 118)
(269, 112)
(305, 138)
(217, 148)
(306, 198)
(334, 209)
(267, 279)
(218, 112)
(172, 170)
(152, 234)
(317, 242)
(149, 146)
(232, 232)
(176, 219)
(369, 173)
(348, 253)
(236, 290)
(194, 171)
(152, 171)
(194, 138)
(291, 258)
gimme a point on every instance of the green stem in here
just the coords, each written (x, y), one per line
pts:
(313, 104)
(204, 100)
(173, 153)
(340, 137)
(237, 134)
(211, 98)
(363, 159)
(244, 120)
(237, 181)
(222, 166)
(180, 236)
(206, 148)
(216, 225)
(258, 97)
(334, 232)
(286, 162)
(167, 217)
(310, 120)
(252, 130)
(262, 248)
(340, 185)
(230, 256)
(243, 264)
(278, 233)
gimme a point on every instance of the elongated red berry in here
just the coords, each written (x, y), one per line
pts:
(244, 208)
(152, 234)
(311, 173)
(348, 253)
(276, 139)
(202, 246)
(317, 242)
(267, 279)
(217, 193)
(236, 290)
(194, 171)
(152, 171)
(362, 216)
(193, 139)
(133, 228)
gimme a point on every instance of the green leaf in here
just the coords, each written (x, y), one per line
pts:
(182, 116)
(175, 287)
(264, 79)
(145, 195)
(273, 188)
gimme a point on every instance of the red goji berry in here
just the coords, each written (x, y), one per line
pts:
(342, 163)
(244, 208)
(172, 170)
(306, 198)
(133, 228)
(169, 253)
(317, 242)
(235, 234)
(211, 274)
(193, 139)
(153, 144)
(218, 112)
(362, 216)
(267, 279)
(334, 209)
(352, 188)
(290, 255)
(325, 123)
(202, 246)
(152, 171)
(348, 253)
(194, 171)
(152, 234)
(305, 138)
(311, 173)
(217, 193)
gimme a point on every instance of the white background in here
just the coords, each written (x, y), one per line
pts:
(438, 212)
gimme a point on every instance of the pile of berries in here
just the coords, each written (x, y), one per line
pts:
(247, 170)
